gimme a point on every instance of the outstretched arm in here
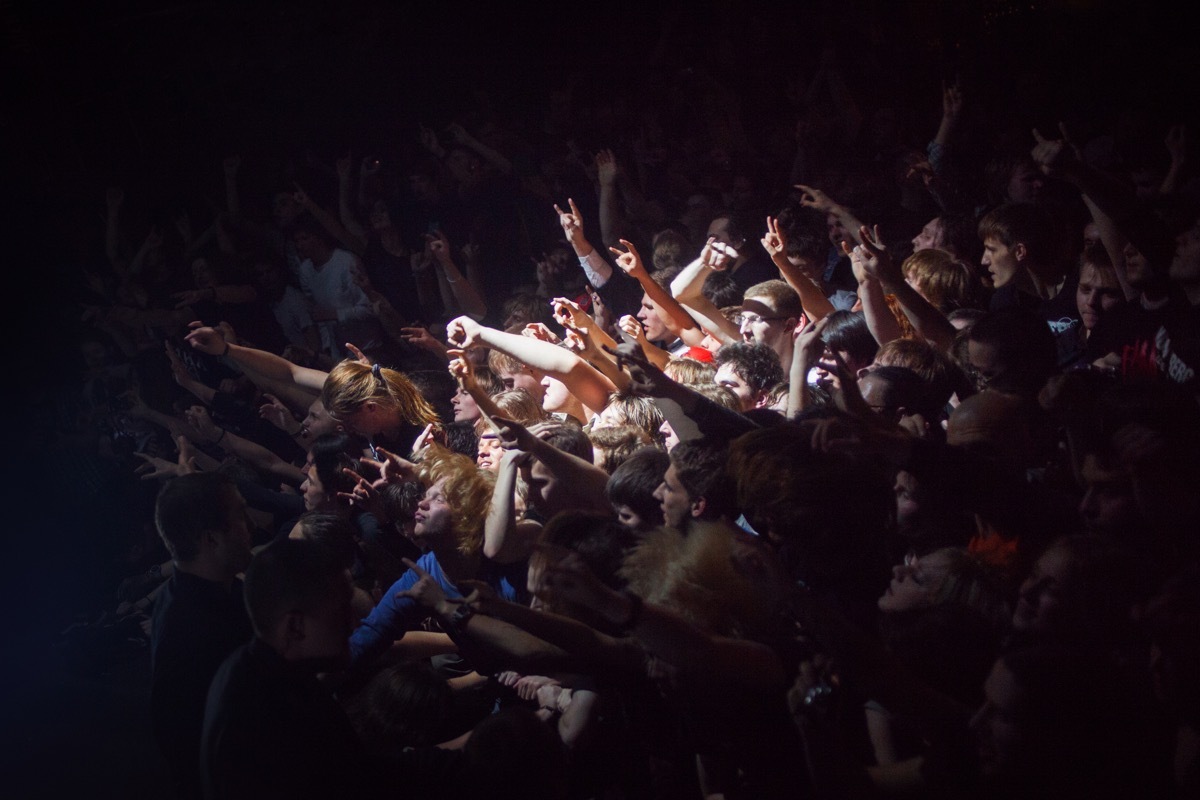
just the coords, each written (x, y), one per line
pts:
(581, 378)
(877, 263)
(209, 340)
(631, 263)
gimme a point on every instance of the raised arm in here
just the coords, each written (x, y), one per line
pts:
(585, 481)
(581, 378)
(880, 320)
(688, 289)
(464, 292)
(877, 263)
(630, 262)
(595, 267)
(209, 340)
(506, 539)
(329, 222)
(819, 201)
(816, 306)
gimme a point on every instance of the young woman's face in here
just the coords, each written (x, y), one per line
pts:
(465, 409)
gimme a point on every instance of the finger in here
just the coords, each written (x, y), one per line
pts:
(615, 251)
(558, 210)
(574, 208)
(633, 250)
(1038, 137)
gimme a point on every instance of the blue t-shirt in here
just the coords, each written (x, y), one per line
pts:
(395, 615)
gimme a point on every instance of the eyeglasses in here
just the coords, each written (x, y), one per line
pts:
(754, 319)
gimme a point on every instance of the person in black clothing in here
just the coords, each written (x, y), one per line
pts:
(199, 619)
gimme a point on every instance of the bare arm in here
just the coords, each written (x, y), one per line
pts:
(466, 296)
(631, 263)
(816, 306)
(928, 321)
(209, 340)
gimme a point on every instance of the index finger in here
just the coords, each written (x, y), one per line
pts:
(574, 208)
(558, 210)
(1038, 136)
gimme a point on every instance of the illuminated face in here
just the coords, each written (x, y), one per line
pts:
(656, 330)
(931, 236)
(915, 583)
(555, 395)
(317, 422)
(432, 520)
(1097, 294)
(1000, 262)
(465, 409)
(719, 228)
(630, 518)
(838, 232)
(673, 499)
(761, 323)
(1026, 184)
(670, 439)
(733, 382)
(489, 452)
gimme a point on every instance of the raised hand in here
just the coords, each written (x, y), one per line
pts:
(607, 168)
(439, 246)
(343, 165)
(571, 221)
(717, 256)
(458, 133)
(359, 355)
(513, 435)
(631, 326)
(539, 331)
(568, 313)
(952, 102)
(1051, 155)
(816, 199)
(426, 591)
(179, 370)
(155, 467)
(198, 418)
(630, 261)
(808, 341)
(463, 332)
(205, 339)
(392, 468)
(774, 241)
(276, 413)
(429, 141)
(364, 496)
(460, 367)
(421, 338)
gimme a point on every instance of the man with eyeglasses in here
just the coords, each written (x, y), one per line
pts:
(771, 310)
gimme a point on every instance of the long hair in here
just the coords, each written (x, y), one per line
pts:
(351, 384)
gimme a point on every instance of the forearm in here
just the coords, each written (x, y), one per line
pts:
(816, 306)
(580, 640)
(465, 294)
(880, 321)
(798, 393)
(259, 457)
(1114, 244)
(611, 227)
(501, 521)
(928, 321)
(665, 301)
(335, 229)
(276, 367)
(712, 321)
(585, 480)
(581, 378)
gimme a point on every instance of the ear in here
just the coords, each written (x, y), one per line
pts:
(1019, 251)
(698, 506)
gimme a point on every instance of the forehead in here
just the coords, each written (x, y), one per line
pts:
(758, 304)
(725, 374)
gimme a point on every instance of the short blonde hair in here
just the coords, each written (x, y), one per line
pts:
(689, 371)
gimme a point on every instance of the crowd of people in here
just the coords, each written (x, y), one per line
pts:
(632, 455)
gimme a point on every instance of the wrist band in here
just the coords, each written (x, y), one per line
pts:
(224, 352)
(219, 438)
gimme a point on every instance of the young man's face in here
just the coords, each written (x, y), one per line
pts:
(762, 324)
(931, 235)
(735, 383)
(673, 499)
(1000, 261)
(524, 380)
(656, 330)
